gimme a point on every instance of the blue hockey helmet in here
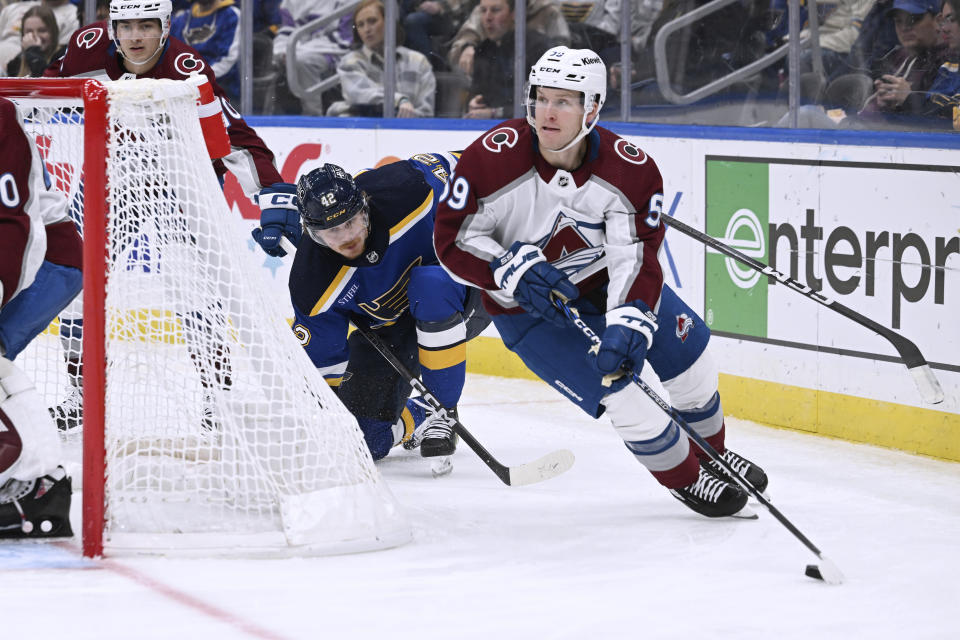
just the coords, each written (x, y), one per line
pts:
(329, 197)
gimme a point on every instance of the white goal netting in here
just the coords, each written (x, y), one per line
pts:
(219, 433)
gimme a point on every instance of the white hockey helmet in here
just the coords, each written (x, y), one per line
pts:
(574, 69)
(140, 10)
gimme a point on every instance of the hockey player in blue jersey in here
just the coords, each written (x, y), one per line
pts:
(367, 257)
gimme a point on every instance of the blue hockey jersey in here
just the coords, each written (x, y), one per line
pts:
(328, 290)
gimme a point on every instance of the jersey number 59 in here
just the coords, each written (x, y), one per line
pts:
(656, 210)
(457, 194)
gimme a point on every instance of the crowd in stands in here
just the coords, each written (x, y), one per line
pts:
(881, 63)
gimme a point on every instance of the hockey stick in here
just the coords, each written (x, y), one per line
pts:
(826, 570)
(924, 378)
(549, 466)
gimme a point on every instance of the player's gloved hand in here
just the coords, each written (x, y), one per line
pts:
(628, 335)
(524, 273)
(279, 216)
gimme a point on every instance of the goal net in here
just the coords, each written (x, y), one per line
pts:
(205, 426)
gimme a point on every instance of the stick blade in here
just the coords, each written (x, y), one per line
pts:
(549, 466)
(826, 571)
(927, 383)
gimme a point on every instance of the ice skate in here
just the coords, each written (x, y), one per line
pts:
(69, 414)
(747, 470)
(713, 496)
(433, 434)
(37, 508)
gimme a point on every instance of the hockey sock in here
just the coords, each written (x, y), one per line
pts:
(707, 421)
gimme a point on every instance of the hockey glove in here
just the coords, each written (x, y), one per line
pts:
(524, 273)
(628, 335)
(279, 216)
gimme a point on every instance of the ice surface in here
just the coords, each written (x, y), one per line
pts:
(600, 552)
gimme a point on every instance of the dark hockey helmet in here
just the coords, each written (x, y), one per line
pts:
(329, 197)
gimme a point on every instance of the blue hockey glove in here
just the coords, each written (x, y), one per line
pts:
(524, 273)
(279, 216)
(628, 335)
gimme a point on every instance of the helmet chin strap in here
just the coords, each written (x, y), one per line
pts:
(584, 129)
(156, 53)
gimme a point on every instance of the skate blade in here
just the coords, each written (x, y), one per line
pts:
(441, 466)
(747, 513)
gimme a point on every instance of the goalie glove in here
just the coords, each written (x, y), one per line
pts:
(524, 273)
(628, 335)
(279, 216)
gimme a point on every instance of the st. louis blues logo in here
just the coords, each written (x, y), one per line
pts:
(684, 326)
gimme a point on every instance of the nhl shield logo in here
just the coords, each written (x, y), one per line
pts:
(684, 326)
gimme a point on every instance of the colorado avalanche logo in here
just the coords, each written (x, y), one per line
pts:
(684, 326)
(629, 152)
(88, 38)
(187, 64)
(497, 139)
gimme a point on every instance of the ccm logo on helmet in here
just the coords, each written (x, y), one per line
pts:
(87, 39)
(497, 139)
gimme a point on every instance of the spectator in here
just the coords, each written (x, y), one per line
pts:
(39, 37)
(901, 78)
(12, 15)
(266, 16)
(878, 35)
(903, 75)
(492, 88)
(212, 27)
(425, 20)
(839, 26)
(943, 97)
(595, 24)
(317, 57)
(361, 72)
(543, 16)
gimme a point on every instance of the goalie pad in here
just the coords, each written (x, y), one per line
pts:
(29, 444)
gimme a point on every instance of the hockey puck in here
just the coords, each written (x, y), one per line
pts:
(813, 571)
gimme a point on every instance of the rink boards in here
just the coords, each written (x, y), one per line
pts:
(875, 227)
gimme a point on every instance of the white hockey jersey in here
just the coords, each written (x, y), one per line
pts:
(600, 224)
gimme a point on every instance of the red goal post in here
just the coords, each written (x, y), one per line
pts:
(206, 429)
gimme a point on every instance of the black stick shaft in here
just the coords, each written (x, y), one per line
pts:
(909, 352)
(594, 339)
(501, 471)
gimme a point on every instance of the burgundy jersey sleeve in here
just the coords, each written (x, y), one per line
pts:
(92, 54)
(250, 160)
(634, 232)
(88, 53)
(465, 231)
(28, 207)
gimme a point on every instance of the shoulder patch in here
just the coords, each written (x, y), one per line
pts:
(88, 38)
(497, 139)
(187, 63)
(629, 152)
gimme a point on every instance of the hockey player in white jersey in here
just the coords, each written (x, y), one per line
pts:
(40, 261)
(554, 205)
